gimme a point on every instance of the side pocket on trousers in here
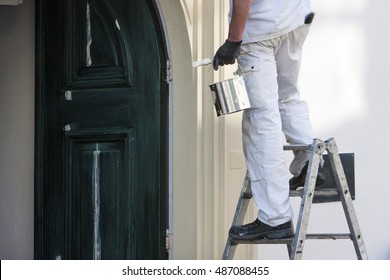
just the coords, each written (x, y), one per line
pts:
(249, 68)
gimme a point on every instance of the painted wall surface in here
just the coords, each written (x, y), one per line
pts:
(183, 215)
(344, 79)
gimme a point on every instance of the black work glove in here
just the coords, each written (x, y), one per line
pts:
(226, 54)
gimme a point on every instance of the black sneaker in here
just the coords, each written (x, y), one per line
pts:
(299, 181)
(258, 230)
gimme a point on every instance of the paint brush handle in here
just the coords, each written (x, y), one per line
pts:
(202, 62)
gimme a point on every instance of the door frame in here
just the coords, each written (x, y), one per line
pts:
(166, 122)
(169, 126)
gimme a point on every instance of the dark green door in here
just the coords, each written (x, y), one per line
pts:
(101, 130)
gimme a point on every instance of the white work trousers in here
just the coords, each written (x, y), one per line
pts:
(277, 115)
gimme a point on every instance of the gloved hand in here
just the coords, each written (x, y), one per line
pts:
(226, 54)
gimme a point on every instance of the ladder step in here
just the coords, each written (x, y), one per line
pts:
(323, 192)
(297, 147)
(320, 196)
(333, 236)
(261, 241)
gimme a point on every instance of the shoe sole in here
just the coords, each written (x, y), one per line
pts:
(279, 234)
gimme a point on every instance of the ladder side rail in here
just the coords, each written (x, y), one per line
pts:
(230, 249)
(243, 201)
(289, 244)
(346, 199)
(239, 215)
(307, 200)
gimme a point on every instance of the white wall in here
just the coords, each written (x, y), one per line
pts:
(183, 209)
(352, 49)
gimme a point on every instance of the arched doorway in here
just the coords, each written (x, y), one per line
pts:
(101, 131)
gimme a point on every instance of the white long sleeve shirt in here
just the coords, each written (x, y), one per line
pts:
(271, 18)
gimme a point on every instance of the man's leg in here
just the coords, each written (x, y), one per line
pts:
(262, 135)
(293, 110)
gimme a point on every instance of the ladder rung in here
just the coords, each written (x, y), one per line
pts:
(321, 195)
(261, 241)
(298, 147)
(333, 236)
(329, 236)
(324, 192)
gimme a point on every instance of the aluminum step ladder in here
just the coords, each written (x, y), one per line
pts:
(296, 243)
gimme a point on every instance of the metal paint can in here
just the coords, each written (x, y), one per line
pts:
(230, 96)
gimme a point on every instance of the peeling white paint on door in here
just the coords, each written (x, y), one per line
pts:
(89, 38)
(96, 204)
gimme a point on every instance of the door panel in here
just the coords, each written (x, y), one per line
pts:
(100, 55)
(100, 194)
(101, 131)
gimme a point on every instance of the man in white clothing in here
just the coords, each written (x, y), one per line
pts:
(266, 37)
